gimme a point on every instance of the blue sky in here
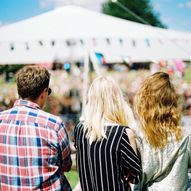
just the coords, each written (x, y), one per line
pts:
(176, 14)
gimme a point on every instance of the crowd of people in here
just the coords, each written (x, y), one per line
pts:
(115, 150)
(66, 99)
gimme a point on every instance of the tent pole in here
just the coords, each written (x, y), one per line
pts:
(85, 80)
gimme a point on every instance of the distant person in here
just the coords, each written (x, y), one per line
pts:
(165, 146)
(106, 150)
(34, 146)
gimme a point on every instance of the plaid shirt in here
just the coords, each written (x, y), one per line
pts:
(34, 149)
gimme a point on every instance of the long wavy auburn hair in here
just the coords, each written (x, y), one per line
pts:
(156, 104)
(105, 103)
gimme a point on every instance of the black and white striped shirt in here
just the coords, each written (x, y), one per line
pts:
(104, 164)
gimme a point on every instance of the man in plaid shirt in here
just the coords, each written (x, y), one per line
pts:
(34, 145)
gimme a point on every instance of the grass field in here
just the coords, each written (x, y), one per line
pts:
(72, 177)
(187, 75)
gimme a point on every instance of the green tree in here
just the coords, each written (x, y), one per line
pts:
(142, 8)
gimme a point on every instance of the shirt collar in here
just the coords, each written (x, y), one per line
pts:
(26, 103)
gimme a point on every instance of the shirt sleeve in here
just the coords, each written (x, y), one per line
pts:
(64, 144)
(131, 162)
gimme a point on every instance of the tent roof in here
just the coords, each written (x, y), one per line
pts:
(76, 22)
(31, 38)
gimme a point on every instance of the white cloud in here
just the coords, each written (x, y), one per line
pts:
(177, 23)
(92, 4)
(185, 5)
(181, 5)
(167, 19)
(189, 4)
(156, 6)
(50, 3)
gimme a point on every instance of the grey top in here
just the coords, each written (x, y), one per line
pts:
(166, 169)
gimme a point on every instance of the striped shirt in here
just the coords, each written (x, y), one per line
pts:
(34, 149)
(103, 165)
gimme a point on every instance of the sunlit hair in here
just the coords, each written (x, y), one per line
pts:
(158, 111)
(105, 104)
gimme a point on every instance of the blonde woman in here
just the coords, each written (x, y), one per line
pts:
(165, 147)
(106, 151)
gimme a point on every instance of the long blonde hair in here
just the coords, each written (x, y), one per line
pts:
(156, 104)
(105, 103)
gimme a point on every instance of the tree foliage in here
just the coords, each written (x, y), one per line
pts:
(10, 68)
(142, 8)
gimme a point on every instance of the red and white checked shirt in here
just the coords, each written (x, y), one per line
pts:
(34, 149)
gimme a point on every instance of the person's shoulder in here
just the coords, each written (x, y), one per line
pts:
(186, 130)
(52, 120)
(130, 133)
(4, 113)
(79, 126)
(50, 116)
(127, 131)
(131, 136)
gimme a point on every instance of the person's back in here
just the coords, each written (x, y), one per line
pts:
(166, 169)
(165, 146)
(103, 164)
(106, 150)
(34, 147)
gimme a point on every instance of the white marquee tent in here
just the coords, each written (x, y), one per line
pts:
(64, 33)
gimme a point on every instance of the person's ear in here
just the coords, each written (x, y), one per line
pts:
(43, 93)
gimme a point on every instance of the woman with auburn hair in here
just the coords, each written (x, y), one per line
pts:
(165, 147)
(106, 150)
